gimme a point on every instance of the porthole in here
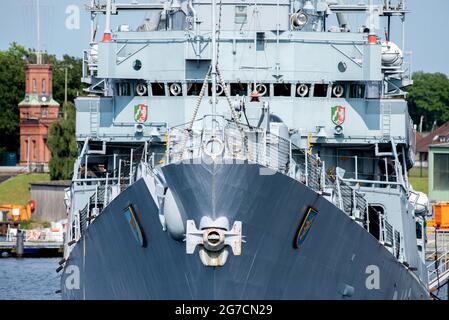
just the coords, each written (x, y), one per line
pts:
(137, 65)
(342, 67)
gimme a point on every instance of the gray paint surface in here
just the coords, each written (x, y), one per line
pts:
(335, 254)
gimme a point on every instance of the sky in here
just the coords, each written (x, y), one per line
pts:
(427, 36)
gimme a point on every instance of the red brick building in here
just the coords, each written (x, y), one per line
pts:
(37, 112)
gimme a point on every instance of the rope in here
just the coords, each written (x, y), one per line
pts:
(219, 29)
(228, 98)
(195, 110)
(234, 114)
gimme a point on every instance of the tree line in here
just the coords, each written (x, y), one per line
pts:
(428, 100)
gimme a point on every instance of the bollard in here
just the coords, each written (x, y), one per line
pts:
(19, 244)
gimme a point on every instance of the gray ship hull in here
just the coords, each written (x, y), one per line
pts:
(330, 264)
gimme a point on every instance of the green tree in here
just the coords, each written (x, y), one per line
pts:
(429, 97)
(74, 74)
(62, 144)
(12, 91)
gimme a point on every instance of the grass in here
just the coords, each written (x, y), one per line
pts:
(17, 190)
(420, 182)
(30, 224)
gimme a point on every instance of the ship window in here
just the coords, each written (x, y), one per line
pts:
(374, 214)
(158, 89)
(240, 89)
(342, 67)
(194, 89)
(260, 41)
(126, 87)
(220, 91)
(338, 90)
(262, 88)
(141, 89)
(302, 90)
(282, 89)
(357, 91)
(175, 89)
(441, 171)
(137, 65)
(304, 227)
(361, 91)
(320, 90)
(123, 89)
(134, 225)
(418, 230)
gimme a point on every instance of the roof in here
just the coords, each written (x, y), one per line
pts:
(34, 101)
(439, 136)
(439, 145)
(62, 183)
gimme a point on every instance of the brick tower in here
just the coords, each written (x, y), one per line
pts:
(37, 112)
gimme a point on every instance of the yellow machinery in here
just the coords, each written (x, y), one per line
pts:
(18, 212)
(440, 216)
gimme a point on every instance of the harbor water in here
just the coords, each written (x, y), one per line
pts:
(29, 279)
(36, 279)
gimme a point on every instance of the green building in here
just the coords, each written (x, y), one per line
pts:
(439, 172)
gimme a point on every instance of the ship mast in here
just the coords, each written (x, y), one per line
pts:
(214, 65)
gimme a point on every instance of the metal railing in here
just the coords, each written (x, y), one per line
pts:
(397, 243)
(230, 141)
(437, 243)
(438, 271)
(237, 142)
(36, 235)
(107, 184)
(258, 146)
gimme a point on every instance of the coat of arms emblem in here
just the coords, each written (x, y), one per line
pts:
(338, 114)
(140, 113)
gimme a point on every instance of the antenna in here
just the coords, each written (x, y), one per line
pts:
(214, 61)
(38, 52)
(107, 28)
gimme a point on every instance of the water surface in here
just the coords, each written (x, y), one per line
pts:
(29, 279)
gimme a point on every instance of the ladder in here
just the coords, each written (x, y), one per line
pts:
(94, 115)
(438, 271)
(386, 120)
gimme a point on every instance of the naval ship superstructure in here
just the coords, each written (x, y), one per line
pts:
(234, 149)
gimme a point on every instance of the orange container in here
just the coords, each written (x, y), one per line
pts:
(441, 214)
